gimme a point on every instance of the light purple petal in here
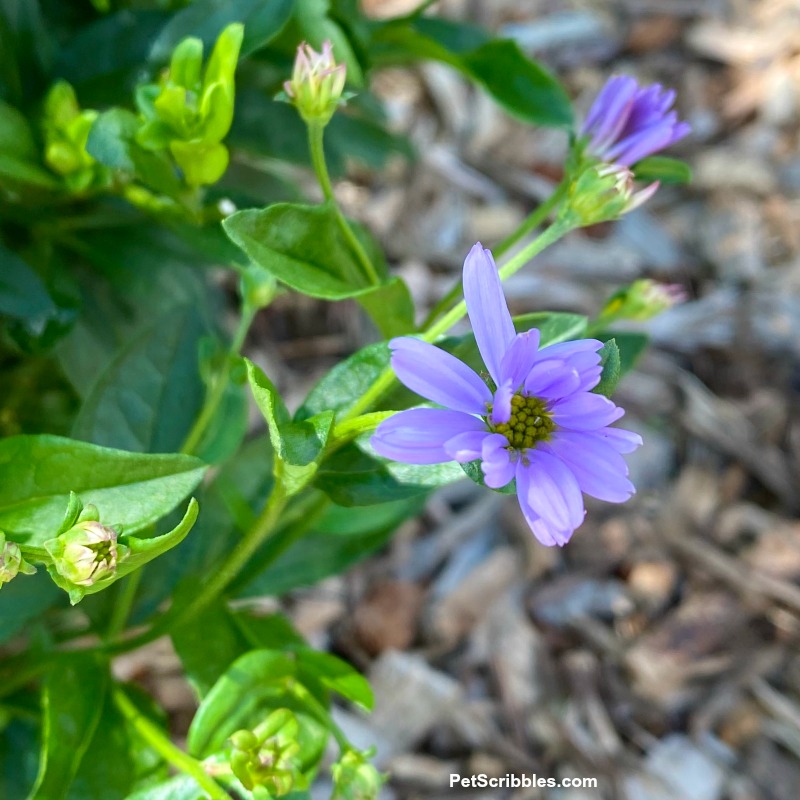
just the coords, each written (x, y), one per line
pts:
(438, 376)
(497, 466)
(621, 440)
(466, 446)
(585, 412)
(600, 471)
(501, 405)
(610, 111)
(640, 145)
(417, 436)
(566, 350)
(487, 308)
(545, 533)
(553, 492)
(552, 379)
(519, 358)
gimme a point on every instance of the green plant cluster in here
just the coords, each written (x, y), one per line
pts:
(141, 147)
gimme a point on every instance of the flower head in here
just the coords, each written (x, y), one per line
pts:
(627, 122)
(642, 300)
(11, 561)
(317, 83)
(85, 554)
(604, 192)
(540, 423)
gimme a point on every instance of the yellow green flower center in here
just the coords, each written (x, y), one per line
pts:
(530, 422)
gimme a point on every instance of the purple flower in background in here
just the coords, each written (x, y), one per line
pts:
(542, 425)
(626, 122)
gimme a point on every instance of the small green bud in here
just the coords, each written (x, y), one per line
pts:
(354, 777)
(641, 300)
(11, 561)
(268, 756)
(603, 192)
(86, 554)
(317, 83)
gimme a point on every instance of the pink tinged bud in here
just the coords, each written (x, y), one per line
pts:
(85, 554)
(317, 83)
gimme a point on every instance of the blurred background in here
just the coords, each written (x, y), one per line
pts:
(658, 651)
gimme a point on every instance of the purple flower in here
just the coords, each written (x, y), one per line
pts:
(541, 425)
(626, 122)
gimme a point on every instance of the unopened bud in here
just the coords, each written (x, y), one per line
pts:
(317, 83)
(604, 192)
(354, 777)
(269, 755)
(11, 561)
(85, 554)
(642, 300)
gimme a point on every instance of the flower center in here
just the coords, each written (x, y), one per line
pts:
(529, 424)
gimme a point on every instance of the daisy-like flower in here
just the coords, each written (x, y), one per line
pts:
(627, 122)
(541, 425)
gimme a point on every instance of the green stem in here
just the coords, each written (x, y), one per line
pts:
(160, 742)
(350, 428)
(315, 138)
(262, 528)
(218, 387)
(321, 714)
(122, 608)
(536, 218)
(387, 377)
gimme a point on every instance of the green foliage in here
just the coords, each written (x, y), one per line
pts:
(72, 702)
(140, 148)
(664, 169)
(612, 368)
(131, 489)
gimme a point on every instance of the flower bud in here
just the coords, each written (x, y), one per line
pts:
(317, 83)
(268, 756)
(642, 300)
(85, 554)
(354, 777)
(11, 561)
(604, 192)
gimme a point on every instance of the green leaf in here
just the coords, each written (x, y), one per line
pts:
(206, 18)
(631, 345)
(112, 141)
(23, 600)
(20, 159)
(391, 308)
(355, 476)
(103, 60)
(204, 664)
(18, 746)
(298, 446)
(72, 702)
(340, 388)
(251, 684)
(23, 295)
(118, 759)
(664, 169)
(181, 787)
(302, 246)
(133, 490)
(522, 86)
(342, 537)
(610, 361)
(148, 397)
(335, 674)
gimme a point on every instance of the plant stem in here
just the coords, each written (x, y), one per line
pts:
(220, 384)
(387, 377)
(122, 608)
(160, 742)
(315, 138)
(253, 539)
(533, 221)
